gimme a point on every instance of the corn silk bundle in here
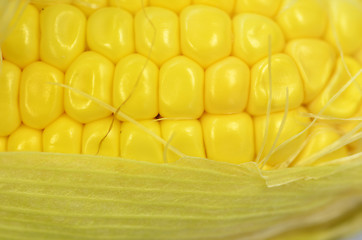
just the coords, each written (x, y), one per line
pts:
(278, 191)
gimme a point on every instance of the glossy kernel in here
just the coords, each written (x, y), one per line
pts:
(62, 35)
(295, 122)
(315, 60)
(205, 34)
(40, 102)
(96, 139)
(93, 74)
(175, 5)
(285, 74)
(228, 137)
(21, 46)
(89, 6)
(162, 37)
(251, 33)
(9, 95)
(227, 86)
(138, 145)
(225, 5)
(320, 138)
(185, 135)
(3, 144)
(132, 6)
(263, 7)
(25, 139)
(181, 88)
(110, 32)
(350, 99)
(64, 135)
(345, 24)
(301, 19)
(135, 88)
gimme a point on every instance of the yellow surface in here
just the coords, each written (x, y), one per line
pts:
(25, 139)
(78, 196)
(227, 86)
(14, 48)
(135, 87)
(110, 32)
(64, 135)
(91, 73)
(130, 5)
(345, 24)
(321, 137)
(61, 40)
(181, 88)
(295, 123)
(162, 36)
(251, 34)
(315, 59)
(98, 140)
(3, 143)
(228, 138)
(137, 145)
(89, 6)
(349, 101)
(285, 74)
(225, 5)
(205, 34)
(264, 7)
(174, 5)
(302, 19)
(9, 95)
(40, 102)
(185, 135)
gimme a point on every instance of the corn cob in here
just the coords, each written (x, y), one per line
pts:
(241, 82)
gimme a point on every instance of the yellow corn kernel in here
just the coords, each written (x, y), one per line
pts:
(181, 89)
(41, 4)
(285, 75)
(302, 19)
(228, 137)
(251, 33)
(93, 74)
(62, 36)
(110, 32)
(3, 144)
(349, 101)
(64, 135)
(25, 139)
(227, 86)
(22, 44)
(264, 7)
(162, 37)
(185, 135)
(9, 94)
(205, 34)
(174, 5)
(358, 56)
(132, 6)
(320, 138)
(137, 145)
(315, 59)
(345, 24)
(225, 5)
(295, 122)
(135, 88)
(97, 139)
(40, 102)
(89, 6)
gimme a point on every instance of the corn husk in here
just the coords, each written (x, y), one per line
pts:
(60, 196)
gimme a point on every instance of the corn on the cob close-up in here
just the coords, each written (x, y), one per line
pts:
(183, 119)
